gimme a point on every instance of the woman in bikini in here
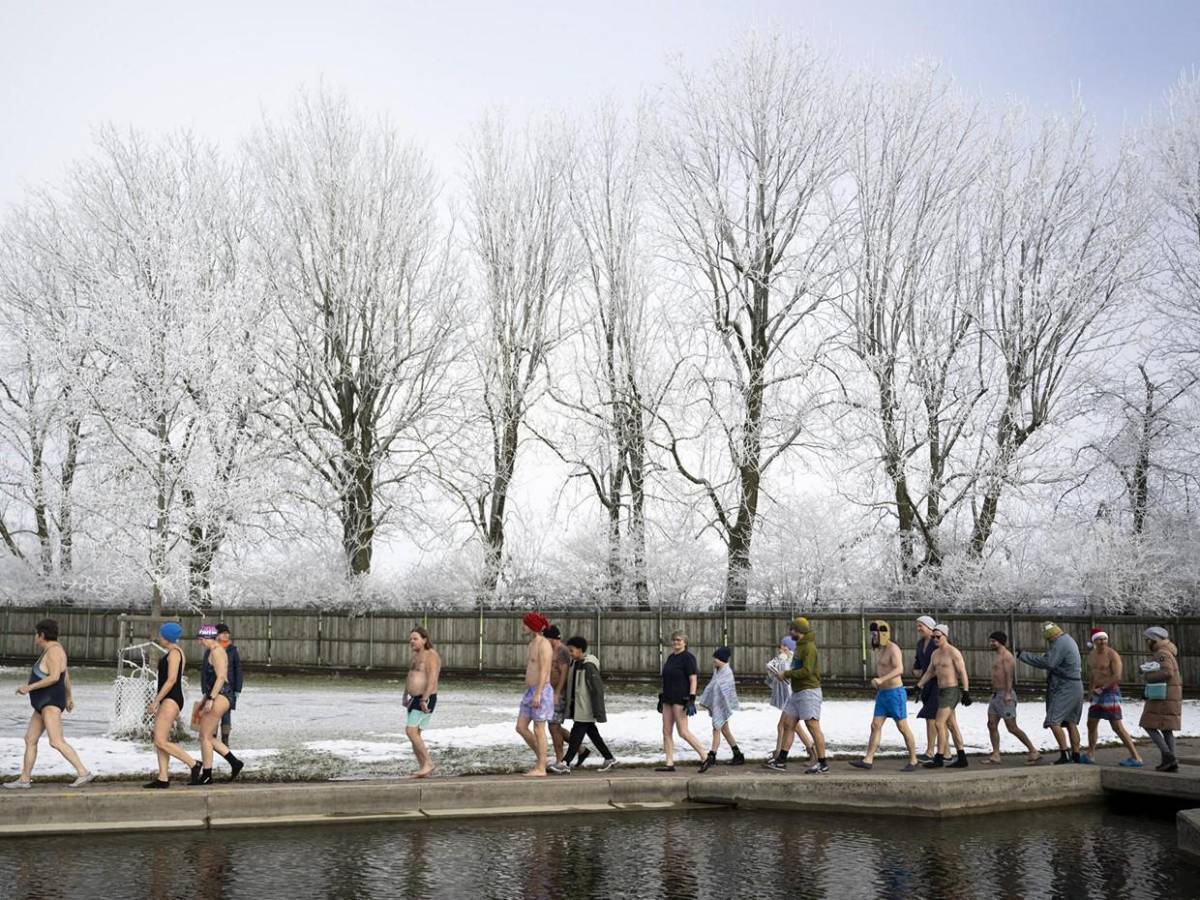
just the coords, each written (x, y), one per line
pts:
(215, 705)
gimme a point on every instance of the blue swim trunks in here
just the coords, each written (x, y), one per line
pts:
(891, 703)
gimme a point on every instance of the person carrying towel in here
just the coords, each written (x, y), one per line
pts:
(721, 700)
(1162, 715)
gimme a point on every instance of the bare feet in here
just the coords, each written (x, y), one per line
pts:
(424, 773)
(1034, 760)
(992, 760)
(536, 773)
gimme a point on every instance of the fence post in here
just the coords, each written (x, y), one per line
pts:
(597, 638)
(658, 619)
(480, 638)
(370, 642)
(862, 639)
(87, 640)
(318, 638)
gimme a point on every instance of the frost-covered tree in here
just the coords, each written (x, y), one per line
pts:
(749, 156)
(363, 300)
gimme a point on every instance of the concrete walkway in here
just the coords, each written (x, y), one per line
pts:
(125, 806)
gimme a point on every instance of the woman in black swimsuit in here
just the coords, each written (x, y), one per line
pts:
(216, 704)
(49, 690)
(166, 706)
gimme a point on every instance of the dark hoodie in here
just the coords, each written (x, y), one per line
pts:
(585, 675)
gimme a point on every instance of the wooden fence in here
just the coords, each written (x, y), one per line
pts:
(629, 644)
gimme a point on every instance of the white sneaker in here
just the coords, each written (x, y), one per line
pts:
(559, 768)
(18, 785)
(606, 765)
(83, 779)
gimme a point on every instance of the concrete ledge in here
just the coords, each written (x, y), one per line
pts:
(1187, 823)
(924, 793)
(1182, 786)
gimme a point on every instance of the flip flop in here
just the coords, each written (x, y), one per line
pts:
(1130, 763)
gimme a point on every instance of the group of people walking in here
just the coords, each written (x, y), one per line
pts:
(563, 684)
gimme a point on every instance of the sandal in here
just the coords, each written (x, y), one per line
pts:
(1130, 763)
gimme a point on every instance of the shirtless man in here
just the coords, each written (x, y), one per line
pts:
(891, 701)
(1104, 679)
(1003, 704)
(947, 666)
(420, 695)
(537, 706)
(560, 666)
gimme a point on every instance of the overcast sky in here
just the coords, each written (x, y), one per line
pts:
(433, 66)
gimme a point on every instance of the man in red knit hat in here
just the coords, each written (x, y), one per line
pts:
(537, 706)
(1104, 678)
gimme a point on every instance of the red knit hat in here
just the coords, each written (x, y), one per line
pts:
(535, 622)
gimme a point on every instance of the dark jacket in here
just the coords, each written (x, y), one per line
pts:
(233, 675)
(590, 666)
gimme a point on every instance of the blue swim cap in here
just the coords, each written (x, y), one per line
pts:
(172, 631)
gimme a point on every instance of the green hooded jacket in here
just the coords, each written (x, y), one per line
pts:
(805, 672)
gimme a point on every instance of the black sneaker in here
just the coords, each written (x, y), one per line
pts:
(777, 765)
(194, 777)
(817, 768)
(235, 767)
(606, 765)
(584, 753)
(960, 761)
(924, 758)
(738, 759)
(205, 777)
(709, 762)
(157, 785)
(938, 762)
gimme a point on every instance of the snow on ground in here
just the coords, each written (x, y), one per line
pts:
(303, 727)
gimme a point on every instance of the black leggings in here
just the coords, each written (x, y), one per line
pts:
(578, 731)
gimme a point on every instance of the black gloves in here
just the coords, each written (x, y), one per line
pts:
(966, 698)
(691, 705)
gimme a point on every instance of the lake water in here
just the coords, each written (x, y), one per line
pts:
(1081, 852)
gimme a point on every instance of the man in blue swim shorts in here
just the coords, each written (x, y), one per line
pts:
(891, 702)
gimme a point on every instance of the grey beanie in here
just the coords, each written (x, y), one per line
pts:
(1156, 633)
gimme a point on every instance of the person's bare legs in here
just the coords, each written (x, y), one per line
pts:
(526, 732)
(1060, 737)
(943, 738)
(1015, 730)
(716, 740)
(930, 737)
(952, 727)
(209, 726)
(558, 738)
(801, 731)
(668, 730)
(1073, 731)
(779, 731)
(994, 734)
(1093, 728)
(168, 712)
(728, 732)
(33, 734)
(1118, 728)
(424, 761)
(52, 721)
(910, 741)
(818, 736)
(539, 747)
(685, 734)
(873, 741)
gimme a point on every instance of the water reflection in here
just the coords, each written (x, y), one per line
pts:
(1074, 853)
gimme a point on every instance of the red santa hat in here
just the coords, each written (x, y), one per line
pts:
(1098, 634)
